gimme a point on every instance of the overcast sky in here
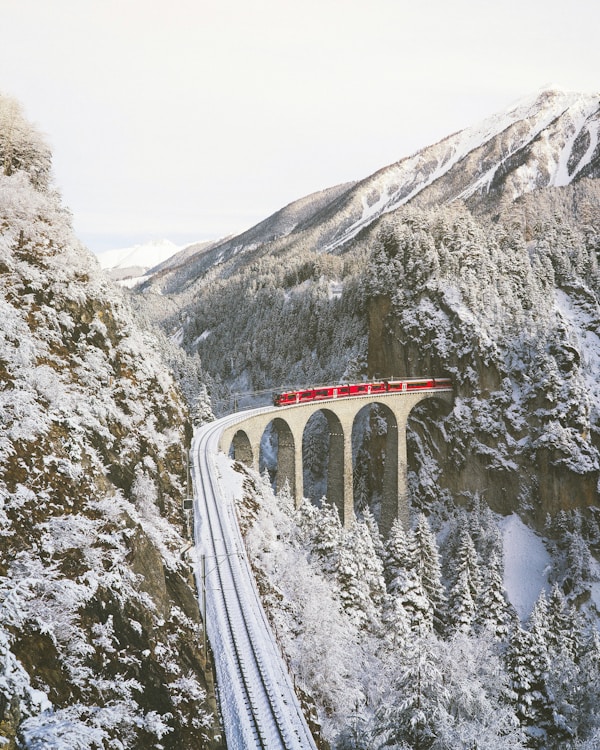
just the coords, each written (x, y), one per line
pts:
(193, 119)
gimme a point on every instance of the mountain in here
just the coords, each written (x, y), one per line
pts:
(130, 264)
(548, 140)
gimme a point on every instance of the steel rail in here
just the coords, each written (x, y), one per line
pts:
(254, 703)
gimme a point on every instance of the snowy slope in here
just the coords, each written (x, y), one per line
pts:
(526, 565)
(550, 139)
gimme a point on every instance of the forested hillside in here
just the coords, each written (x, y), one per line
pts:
(412, 642)
(512, 314)
(99, 625)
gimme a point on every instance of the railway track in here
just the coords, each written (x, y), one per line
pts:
(256, 696)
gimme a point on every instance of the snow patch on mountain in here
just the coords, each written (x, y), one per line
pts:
(530, 124)
(526, 564)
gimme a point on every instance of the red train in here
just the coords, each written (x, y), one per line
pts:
(306, 395)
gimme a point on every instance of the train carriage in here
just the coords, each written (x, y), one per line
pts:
(322, 393)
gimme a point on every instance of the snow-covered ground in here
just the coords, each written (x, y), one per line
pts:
(526, 564)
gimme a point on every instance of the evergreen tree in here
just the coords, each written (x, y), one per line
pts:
(588, 694)
(410, 722)
(377, 539)
(412, 593)
(397, 557)
(462, 608)
(466, 585)
(561, 634)
(429, 570)
(359, 572)
(527, 665)
(494, 613)
(322, 531)
(395, 623)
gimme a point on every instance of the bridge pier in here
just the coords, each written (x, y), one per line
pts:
(286, 458)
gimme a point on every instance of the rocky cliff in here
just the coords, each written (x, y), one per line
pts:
(100, 636)
(515, 324)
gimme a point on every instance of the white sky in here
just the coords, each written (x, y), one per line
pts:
(192, 119)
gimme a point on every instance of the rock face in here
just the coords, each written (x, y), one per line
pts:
(516, 329)
(100, 638)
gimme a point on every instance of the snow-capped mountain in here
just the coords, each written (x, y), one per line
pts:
(547, 141)
(130, 264)
(550, 139)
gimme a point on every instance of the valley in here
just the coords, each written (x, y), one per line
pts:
(474, 622)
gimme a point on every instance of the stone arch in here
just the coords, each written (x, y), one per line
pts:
(382, 424)
(284, 444)
(335, 461)
(425, 438)
(241, 448)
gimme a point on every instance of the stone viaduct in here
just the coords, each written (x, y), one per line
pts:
(243, 439)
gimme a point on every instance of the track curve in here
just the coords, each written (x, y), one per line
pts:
(258, 703)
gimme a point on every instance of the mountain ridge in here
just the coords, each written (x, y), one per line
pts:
(429, 175)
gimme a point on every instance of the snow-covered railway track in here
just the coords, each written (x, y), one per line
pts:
(258, 704)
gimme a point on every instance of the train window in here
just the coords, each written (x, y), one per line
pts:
(322, 393)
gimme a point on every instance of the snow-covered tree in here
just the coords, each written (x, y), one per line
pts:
(429, 569)
(527, 664)
(465, 586)
(397, 556)
(22, 147)
(494, 612)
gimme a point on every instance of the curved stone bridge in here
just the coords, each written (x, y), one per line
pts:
(244, 438)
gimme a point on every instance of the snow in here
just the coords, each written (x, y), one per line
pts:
(145, 255)
(583, 322)
(581, 112)
(399, 183)
(526, 564)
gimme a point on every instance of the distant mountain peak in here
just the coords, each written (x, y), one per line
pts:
(145, 255)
